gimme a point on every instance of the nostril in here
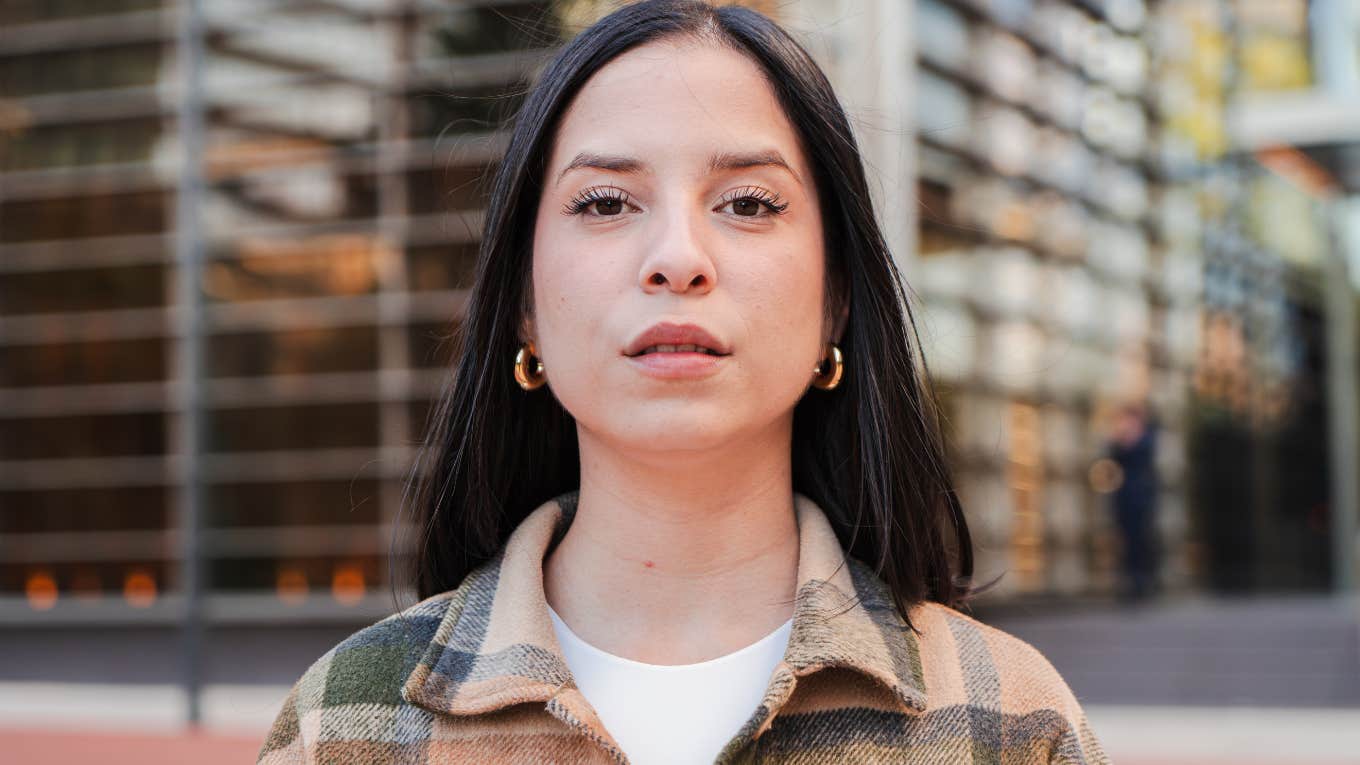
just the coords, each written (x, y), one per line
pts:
(658, 279)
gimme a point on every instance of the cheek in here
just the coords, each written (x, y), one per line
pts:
(573, 289)
(561, 304)
(782, 303)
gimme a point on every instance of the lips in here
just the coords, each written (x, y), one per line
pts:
(664, 337)
(687, 348)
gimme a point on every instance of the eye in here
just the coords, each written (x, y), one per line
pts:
(748, 202)
(602, 201)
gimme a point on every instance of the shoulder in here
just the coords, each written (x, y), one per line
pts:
(366, 668)
(988, 669)
(1020, 667)
(370, 664)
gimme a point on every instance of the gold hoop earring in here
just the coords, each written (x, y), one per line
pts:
(526, 379)
(828, 379)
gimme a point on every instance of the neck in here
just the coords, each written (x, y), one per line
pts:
(676, 558)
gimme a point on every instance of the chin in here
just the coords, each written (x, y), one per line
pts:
(648, 429)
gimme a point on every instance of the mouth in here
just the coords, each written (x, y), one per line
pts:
(678, 362)
(682, 348)
(671, 338)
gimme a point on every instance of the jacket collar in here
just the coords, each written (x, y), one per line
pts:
(495, 645)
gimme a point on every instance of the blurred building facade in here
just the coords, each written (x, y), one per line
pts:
(1085, 224)
(335, 217)
(1094, 230)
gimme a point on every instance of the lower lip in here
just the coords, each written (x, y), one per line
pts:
(677, 365)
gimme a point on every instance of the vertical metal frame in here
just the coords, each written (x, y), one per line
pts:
(189, 252)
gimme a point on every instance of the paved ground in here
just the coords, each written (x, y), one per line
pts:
(1264, 652)
(64, 748)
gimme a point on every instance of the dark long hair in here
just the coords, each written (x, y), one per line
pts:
(870, 452)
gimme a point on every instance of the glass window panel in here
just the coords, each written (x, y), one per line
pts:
(321, 426)
(470, 110)
(937, 228)
(85, 435)
(139, 580)
(507, 26)
(29, 11)
(115, 66)
(295, 503)
(84, 289)
(300, 351)
(322, 575)
(442, 266)
(341, 264)
(432, 345)
(120, 508)
(140, 360)
(313, 193)
(85, 143)
(440, 189)
(23, 220)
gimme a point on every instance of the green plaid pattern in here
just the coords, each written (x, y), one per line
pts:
(475, 675)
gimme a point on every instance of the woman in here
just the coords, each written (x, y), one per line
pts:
(705, 515)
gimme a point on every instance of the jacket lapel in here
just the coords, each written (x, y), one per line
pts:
(844, 616)
(495, 646)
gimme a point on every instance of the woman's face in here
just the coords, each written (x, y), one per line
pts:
(676, 191)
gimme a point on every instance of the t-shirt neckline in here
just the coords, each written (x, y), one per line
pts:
(725, 658)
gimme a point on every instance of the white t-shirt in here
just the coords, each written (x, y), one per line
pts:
(678, 714)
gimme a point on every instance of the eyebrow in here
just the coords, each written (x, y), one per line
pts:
(722, 161)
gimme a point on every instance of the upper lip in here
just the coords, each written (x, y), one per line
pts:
(671, 333)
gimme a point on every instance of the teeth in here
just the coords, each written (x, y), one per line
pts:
(690, 347)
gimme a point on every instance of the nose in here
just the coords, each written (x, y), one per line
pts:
(678, 257)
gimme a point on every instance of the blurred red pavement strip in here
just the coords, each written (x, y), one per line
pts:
(48, 747)
(1117, 759)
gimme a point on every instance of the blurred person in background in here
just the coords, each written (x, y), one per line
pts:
(1133, 447)
(685, 462)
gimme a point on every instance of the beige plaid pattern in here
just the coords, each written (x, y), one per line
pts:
(475, 675)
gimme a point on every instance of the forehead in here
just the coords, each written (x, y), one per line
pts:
(676, 99)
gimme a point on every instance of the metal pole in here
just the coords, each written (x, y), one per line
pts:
(1342, 401)
(394, 278)
(897, 101)
(189, 248)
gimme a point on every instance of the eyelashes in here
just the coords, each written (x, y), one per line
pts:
(616, 198)
(593, 194)
(769, 199)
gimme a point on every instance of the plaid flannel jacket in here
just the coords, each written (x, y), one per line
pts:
(475, 675)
